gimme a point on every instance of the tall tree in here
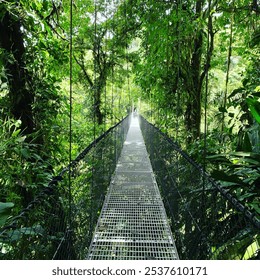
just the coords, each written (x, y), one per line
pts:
(21, 95)
(176, 56)
(198, 68)
(101, 48)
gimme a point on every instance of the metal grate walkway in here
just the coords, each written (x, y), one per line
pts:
(133, 223)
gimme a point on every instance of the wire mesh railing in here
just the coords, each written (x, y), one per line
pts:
(207, 221)
(58, 224)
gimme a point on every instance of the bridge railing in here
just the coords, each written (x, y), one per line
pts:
(207, 221)
(59, 223)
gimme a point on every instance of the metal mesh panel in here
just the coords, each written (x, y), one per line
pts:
(207, 221)
(52, 226)
(133, 223)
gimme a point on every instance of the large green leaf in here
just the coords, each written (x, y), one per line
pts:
(235, 247)
(247, 147)
(247, 157)
(256, 206)
(5, 211)
(254, 106)
(222, 176)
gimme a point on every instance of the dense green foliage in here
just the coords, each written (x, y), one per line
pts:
(198, 68)
(190, 67)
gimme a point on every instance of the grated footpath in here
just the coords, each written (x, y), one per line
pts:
(133, 223)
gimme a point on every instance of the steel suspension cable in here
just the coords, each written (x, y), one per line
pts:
(106, 51)
(68, 232)
(206, 86)
(71, 106)
(231, 39)
(112, 73)
(94, 117)
(126, 55)
(203, 198)
(167, 69)
(112, 95)
(179, 7)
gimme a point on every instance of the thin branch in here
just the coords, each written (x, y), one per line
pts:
(82, 66)
(46, 20)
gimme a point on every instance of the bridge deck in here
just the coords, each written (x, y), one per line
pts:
(133, 224)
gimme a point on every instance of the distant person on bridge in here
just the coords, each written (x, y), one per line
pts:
(135, 112)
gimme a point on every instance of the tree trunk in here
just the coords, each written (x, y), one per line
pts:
(255, 7)
(20, 97)
(193, 109)
(97, 105)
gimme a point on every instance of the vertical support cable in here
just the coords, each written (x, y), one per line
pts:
(228, 65)
(203, 197)
(95, 71)
(112, 95)
(91, 214)
(106, 37)
(206, 91)
(126, 57)
(179, 7)
(105, 115)
(167, 68)
(71, 109)
(68, 234)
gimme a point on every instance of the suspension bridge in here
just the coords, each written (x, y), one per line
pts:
(134, 195)
(133, 223)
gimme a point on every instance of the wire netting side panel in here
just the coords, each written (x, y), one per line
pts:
(204, 223)
(51, 228)
(37, 231)
(90, 180)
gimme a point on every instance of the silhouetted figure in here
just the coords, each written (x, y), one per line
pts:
(135, 112)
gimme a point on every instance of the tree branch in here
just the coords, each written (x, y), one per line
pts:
(82, 66)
